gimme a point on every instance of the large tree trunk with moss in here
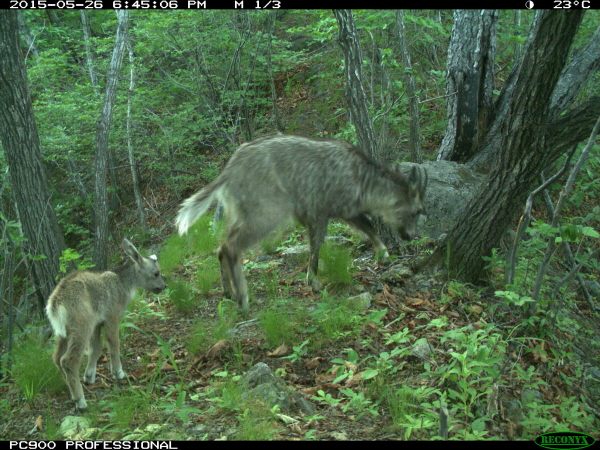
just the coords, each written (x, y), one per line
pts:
(27, 174)
(526, 135)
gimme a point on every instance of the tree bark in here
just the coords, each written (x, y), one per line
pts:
(414, 141)
(520, 145)
(21, 145)
(575, 75)
(470, 80)
(276, 113)
(89, 58)
(102, 153)
(356, 97)
(134, 173)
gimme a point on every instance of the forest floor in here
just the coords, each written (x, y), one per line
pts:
(151, 391)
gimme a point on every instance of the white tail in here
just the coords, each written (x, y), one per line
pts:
(58, 319)
(196, 206)
(84, 302)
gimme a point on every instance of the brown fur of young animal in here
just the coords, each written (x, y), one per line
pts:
(85, 301)
(271, 179)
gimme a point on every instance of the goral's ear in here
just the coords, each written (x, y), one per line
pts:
(414, 175)
(131, 251)
(417, 181)
(414, 178)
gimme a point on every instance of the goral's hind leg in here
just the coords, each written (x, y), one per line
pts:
(249, 229)
(234, 283)
(59, 351)
(224, 259)
(70, 362)
(95, 351)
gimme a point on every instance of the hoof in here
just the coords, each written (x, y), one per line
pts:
(89, 378)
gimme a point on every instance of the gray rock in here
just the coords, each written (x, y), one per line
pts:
(361, 300)
(261, 383)
(76, 428)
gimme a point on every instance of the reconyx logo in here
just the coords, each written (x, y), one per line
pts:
(564, 440)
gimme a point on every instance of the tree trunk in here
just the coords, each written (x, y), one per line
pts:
(470, 80)
(276, 113)
(575, 75)
(565, 130)
(355, 94)
(102, 153)
(27, 35)
(517, 45)
(89, 58)
(134, 174)
(522, 132)
(112, 164)
(414, 141)
(27, 174)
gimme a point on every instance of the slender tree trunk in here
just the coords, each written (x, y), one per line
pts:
(6, 288)
(355, 94)
(102, 153)
(517, 23)
(276, 113)
(89, 57)
(23, 154)
(134, 174)
(414, 141)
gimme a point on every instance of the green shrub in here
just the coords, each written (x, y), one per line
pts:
(337, 264)
(129, 406)
(201, 237)
(200, 339)
(181, 296)
(277, 327)
(208, 274)
(334, 316)
(256, 424)
(173, 253)
(33, 369)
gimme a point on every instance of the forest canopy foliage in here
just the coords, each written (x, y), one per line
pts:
(202, 83)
